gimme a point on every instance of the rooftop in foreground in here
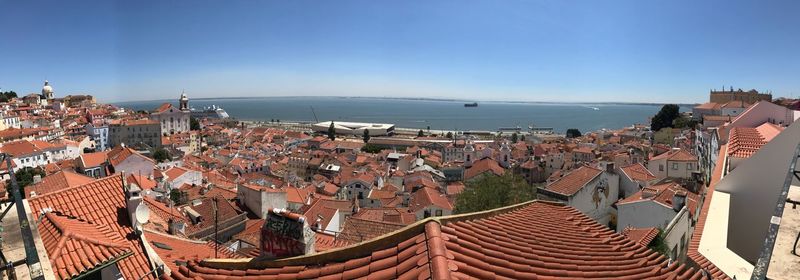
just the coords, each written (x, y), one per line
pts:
(532, 240)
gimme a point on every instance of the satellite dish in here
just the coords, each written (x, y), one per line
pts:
(142, 214)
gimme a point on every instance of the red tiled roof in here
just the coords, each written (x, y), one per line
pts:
(93, 159)
(175, 172)
(296, 195)
(58, 181)
(164, 107)
(357, 230)
(708, 106)
(387, 214)
(173, 250)
(541, 240)
(482, 166)
(642, 236)
(97, 203)
(638, 172)
(676, 155)
(120, 154)
(76, 246)
(574, 181)
(663, 194)
(142, 181)
(20, 148)
(743, 142)
(428, 197)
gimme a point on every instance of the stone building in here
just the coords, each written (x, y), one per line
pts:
(135, 133)
(173, 120)
(724, 96)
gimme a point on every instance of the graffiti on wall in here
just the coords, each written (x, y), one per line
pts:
(282, 237)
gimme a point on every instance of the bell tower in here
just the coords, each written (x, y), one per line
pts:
(184, 102)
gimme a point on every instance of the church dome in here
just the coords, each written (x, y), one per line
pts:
(47, 89)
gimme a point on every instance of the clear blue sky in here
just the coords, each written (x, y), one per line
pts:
(639, 51)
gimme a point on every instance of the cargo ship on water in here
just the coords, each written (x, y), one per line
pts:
(473, 104)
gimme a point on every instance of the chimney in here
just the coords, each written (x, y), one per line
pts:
(37, 179)
(176, 227)
(610, 167)
(281, 226)
(678, 200)
(318, 224)
(133, 198)
(648, 193)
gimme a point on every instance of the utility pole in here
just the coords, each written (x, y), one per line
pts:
(216, 229)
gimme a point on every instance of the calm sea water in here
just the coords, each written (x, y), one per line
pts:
(423, 113)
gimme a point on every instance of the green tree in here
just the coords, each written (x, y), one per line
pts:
(449, 135)
(665, 117)
(161, 155)
(522, 138)
(177, 196)
(573, 133)
(372, 149)
(25, 176)
(420, 133)
(331, 132)
(194, 124)
(514, 138)
(659, 244)
(491, 192)
(684, 122)
(366, 136)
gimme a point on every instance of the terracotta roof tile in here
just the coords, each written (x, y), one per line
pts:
(58, 181)
(357, 230)
(574, 181)
(743, 142)
(642, 236)
(638, 172)
(663, 194)
(173, 250)
(93, 159)
(428, 197)
(77, 246)
(483, 166)
(98, 204)
(676, 155)
(389, 214)
(534, 240)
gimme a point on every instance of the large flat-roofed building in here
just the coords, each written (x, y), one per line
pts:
(355, 128)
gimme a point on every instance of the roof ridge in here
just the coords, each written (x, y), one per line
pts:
(68, 233)
(437, 251)
(78, 186)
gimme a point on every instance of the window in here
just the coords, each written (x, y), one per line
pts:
(427, 213)
(439, 212)
(689, 166)
(674, 166)
(660, 167)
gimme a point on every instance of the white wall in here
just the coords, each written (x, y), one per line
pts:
(260, 201)
(642, 214)
(595, 204)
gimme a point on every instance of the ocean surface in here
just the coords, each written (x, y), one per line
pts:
(445, 115)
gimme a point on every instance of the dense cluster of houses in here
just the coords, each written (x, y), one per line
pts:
(248, 195)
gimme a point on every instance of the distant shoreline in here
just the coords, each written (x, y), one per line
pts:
(413, 99)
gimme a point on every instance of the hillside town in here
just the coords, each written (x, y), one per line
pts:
(97, 190)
